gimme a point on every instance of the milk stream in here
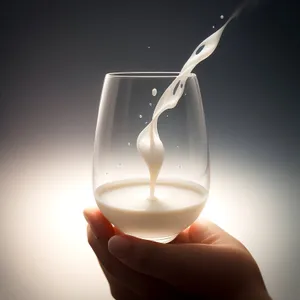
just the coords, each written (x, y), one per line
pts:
(149, 143)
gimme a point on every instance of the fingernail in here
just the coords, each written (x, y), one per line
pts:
(85, 216)
(119, 246)
(91, 227)
(92, 232)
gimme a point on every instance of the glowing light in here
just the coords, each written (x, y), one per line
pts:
(44, 249)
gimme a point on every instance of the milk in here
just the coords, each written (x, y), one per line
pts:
(149, 143)
(177, 205)
(158, 209)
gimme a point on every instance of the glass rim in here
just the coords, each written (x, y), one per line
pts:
(146, 74)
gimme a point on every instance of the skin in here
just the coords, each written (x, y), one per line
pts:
(203, 262)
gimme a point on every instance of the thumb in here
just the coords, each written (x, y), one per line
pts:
(182, 265)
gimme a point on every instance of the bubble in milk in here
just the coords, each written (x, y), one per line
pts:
(222, 17)
(106, 173)
(179, 166)
(140, 116)
(154, 92)
(119, 165)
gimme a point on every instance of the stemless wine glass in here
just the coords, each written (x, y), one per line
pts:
(120, 175)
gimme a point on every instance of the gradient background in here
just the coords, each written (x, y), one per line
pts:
(54, 55)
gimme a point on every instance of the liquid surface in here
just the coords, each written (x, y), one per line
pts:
(149, 143)
(178, 204)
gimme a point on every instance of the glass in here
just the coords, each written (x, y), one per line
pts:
(127, 104)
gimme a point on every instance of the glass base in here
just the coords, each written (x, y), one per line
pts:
(162, 240)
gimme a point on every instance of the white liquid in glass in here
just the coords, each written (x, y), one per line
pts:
(178, 204)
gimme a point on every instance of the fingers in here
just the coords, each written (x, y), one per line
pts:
(181, 265)
(100, 226)
(111, 266)
(99, 231)
(208, 233)
(196, 233)
(204, 232)
(138, 268)
(182, 237)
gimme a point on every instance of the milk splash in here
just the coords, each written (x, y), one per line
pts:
(149, 143)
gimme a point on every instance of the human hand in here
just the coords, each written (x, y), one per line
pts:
(203, 261)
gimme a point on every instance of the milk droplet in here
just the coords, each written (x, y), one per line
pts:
(213, 27)
(150, 104)
(222, 17)
(129, 144)
(148, 47)
(177, 147)
(146, 122)
(167, 116)
(140, 116)
(154, 92)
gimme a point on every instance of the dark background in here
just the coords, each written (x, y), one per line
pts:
(53, 58)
